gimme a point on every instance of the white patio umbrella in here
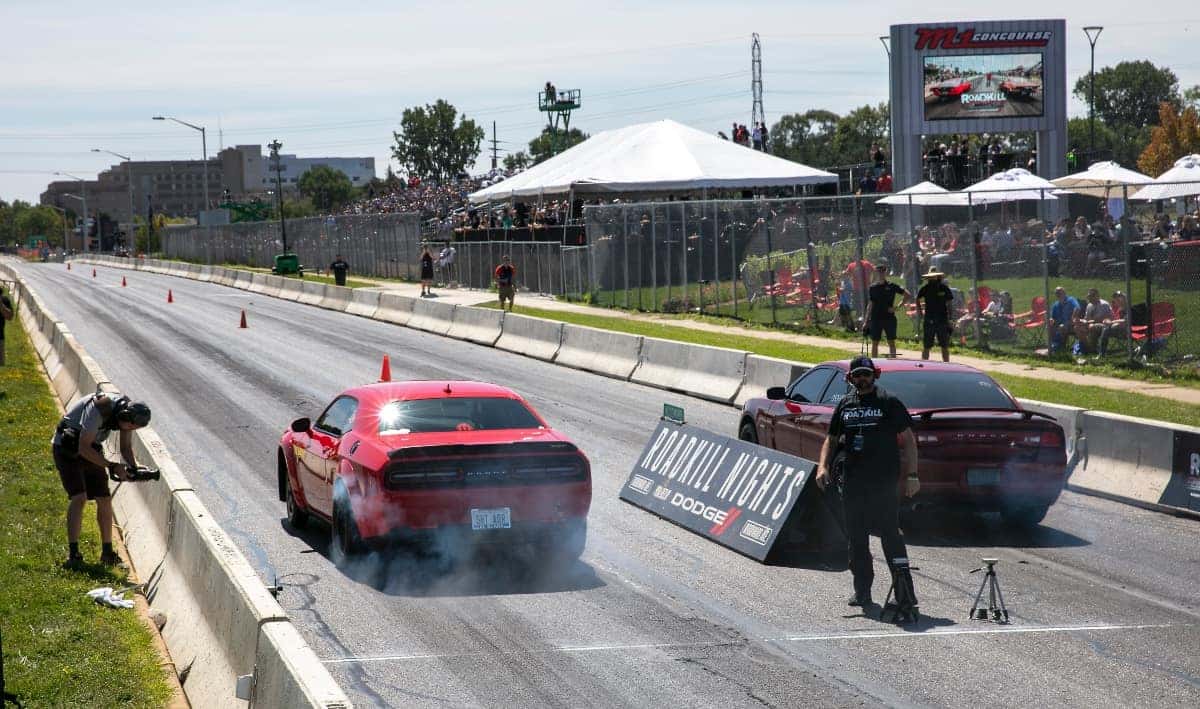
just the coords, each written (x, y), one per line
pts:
(1103, 179)
(1186, 178)
(925, 194)
(1010, 186)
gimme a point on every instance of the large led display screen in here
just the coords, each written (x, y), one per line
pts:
(983, 86)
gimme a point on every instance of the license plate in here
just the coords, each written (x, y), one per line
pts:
(983, 476)
(498, 518)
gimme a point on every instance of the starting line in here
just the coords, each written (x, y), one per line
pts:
(970, 631)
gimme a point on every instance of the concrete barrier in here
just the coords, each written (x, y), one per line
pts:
(205, 274)
(713, 373)
(258, 283)
(289, 673)
(395, 308)
(431, 316)
(242, 279)
(273, 285)
(363, 302)
(336, 297)
(311, 292)
(532, 337)
(1124, 457)
(613, 354)
(763, 372)
(290, 289)
(478, 325)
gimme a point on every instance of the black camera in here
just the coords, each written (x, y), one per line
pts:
(136, 475)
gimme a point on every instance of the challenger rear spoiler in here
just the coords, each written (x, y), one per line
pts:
(468, 449)
(1027, 415)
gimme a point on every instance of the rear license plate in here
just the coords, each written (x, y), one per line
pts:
(498, 518)
(983, 476)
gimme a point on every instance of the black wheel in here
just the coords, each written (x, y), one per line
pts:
(1024, 516)
(344, 536)
(297, 516)
(747, 432)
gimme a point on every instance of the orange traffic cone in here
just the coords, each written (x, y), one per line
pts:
(243, 323)
(122, 281)
(68, 265)
(170, 297)
(385, 374)
(93, 273)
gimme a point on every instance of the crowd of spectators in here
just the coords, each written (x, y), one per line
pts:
(757, 137)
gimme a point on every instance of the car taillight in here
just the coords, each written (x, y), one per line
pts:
(554, 468)
(420, 477)
(1051, 439)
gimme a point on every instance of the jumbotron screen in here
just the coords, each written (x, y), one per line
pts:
(983, 86)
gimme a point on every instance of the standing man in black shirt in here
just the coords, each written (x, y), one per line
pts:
(340, 268)
(6, 314)
(881, 316)
(865, 427)
(935, 298)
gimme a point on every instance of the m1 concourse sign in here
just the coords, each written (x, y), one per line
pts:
(735, 493)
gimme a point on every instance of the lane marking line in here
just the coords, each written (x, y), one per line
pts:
(564, 649)
(971, 631)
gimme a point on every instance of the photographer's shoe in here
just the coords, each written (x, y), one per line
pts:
(110, 558)
(858, 601)
(73, 562)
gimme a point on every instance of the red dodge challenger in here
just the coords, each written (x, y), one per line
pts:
(414, 460)
(952, 88)
(977, 448)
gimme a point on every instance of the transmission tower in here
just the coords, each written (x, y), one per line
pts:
(756, 111)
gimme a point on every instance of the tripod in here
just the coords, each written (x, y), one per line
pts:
(995, 609)
(905, 609)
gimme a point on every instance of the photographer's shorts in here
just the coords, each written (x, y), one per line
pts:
(80, 475)
(883, 326)
(938, 329)
(506, 292)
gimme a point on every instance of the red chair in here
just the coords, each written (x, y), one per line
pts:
(1034, 317)
(783, 283)
(985, 297)
(1162, 315)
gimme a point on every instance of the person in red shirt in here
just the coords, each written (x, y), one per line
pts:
(884, 183)
(506, 275)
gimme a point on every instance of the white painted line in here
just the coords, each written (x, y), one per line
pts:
(970, 631)
(565, 649)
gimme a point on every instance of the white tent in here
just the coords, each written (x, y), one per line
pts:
(1010, 186)
(653, 157)
(1186, 173)
(1103, 179)
(926, 194)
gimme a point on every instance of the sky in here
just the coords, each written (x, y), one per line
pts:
(332, 79)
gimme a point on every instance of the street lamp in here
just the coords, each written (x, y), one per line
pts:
(1092, 91)
(66, 237)
(275, 145)
(83, 198)
(129, 170)
(203, 147)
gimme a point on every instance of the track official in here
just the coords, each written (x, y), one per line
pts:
(78, 447)
(865, 429)
(340, 268)
(935, 297)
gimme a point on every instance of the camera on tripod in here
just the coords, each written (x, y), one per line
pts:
(136, 475)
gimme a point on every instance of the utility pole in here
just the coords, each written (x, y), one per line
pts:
(275, 145)
(129, 174)
(1092, 90)
(495, 145)
(757, 116)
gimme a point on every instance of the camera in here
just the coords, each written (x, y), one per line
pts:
(136, 475)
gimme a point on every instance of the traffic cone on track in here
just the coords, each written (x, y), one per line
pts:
(243, 323)
(68, 265)
(170, 297)
(93, 273)
(122, 281)
(385, 374)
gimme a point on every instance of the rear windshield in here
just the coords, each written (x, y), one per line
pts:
(455, 414)
(944, 390)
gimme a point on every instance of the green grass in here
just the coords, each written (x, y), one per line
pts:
(1086, 397)
(60, 648)
(310, 276)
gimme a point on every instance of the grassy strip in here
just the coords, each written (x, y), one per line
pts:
(1086, 397)
(60, 648)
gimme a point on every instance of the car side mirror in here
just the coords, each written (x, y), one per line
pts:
(301, 425)
(776, 393)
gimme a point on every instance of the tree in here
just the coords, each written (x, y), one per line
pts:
(858, 130)
(1128, 94)
(434, 142)
(40, 221)
(326, 187)
(805, 137)
(517, 161)
(1107, 140)
(549, 144)
(1177, 134)
(1191, 97)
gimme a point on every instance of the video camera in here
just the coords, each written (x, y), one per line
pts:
(139, 474)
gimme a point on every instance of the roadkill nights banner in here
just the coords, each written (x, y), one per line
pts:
(1183, 489)
(736, 494)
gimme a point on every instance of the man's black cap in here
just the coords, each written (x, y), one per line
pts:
(863, 363)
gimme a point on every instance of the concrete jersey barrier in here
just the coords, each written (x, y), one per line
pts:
(1124, 457)
(431, 316)
(363, 302)
(763, 372)
(395, 308)
(336, 297)
(613, 354)
(713, 373)
(478, 325)
(311, 292)
(532, 337)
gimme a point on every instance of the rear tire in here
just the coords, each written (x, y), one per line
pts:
(297, 516)
(1024, 516)
(344, 538)
(747, 432)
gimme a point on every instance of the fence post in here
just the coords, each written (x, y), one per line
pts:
(1046, 287)
(654, 258)
(812, 264)
(734, 270)
(771, 267)
(684, 234)
(860, 249)
(670, 264)
(625, 248)
(976, 255)
(1128, 284)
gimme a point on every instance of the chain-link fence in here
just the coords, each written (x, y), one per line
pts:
(810, 262)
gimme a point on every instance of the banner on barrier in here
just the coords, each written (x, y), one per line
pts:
(1183, 489)
(734, 493)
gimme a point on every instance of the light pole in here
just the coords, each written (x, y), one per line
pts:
(203, 147)
(275, 145)
(83, 230)
(66, 238)
(129, 171)
(1092, 91)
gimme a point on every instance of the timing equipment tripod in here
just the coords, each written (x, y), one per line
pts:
(995, 610)
(905, 608)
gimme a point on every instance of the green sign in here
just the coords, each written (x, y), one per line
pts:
(673, 413)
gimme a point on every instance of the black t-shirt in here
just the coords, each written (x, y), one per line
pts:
(938, 298)
(339, 267)
(883, 299)
(8, 304)
(879, 418)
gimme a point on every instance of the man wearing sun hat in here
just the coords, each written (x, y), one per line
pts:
(935, 298)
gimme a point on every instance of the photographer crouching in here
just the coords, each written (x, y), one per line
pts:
(78, 447)
(868, 427)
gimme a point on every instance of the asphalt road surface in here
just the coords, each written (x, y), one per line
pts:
(1104, 596)
(937, 109)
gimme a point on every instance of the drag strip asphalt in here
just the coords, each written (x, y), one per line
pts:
(1103, 595)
